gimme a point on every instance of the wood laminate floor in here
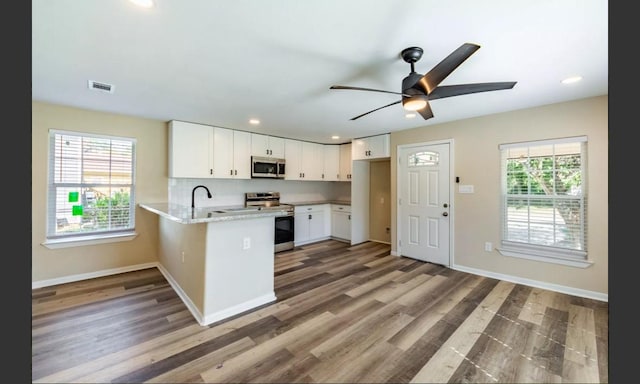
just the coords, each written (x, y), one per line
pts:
(344, 314)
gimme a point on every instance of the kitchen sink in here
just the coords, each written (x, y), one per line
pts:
(237, 210)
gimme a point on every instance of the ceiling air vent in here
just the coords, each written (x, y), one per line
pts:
(104, 87)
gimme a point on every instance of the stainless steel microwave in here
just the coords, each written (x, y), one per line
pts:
(267, 167)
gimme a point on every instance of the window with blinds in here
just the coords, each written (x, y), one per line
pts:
(544, 204)
(91, 185)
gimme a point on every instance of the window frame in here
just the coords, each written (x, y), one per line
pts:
(539, 252)
(54, 240)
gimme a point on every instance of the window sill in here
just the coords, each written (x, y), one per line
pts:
(547, 258)
(80, 241)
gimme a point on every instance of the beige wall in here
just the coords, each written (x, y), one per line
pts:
(151, 186)
(476, 160)
(380, 200)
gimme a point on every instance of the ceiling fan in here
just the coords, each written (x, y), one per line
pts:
(418, 89)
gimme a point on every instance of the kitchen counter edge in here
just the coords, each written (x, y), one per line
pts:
(187, 215)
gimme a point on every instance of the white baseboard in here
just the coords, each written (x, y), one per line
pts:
(535, 283)
(183, 296)
(297, 244)
(92, 275)
(216, 316)
(239, 308)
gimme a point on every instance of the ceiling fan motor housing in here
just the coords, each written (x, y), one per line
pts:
(411, 85)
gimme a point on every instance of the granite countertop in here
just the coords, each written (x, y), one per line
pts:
(188, 215)
(314, 202)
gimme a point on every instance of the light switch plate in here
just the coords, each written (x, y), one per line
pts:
(465, 188)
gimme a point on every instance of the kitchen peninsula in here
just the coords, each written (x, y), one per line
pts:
(219, 260)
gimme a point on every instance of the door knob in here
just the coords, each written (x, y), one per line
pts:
(445, 205)
(445, 214)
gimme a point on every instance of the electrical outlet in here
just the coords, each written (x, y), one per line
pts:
(488, 246)
(246, 243)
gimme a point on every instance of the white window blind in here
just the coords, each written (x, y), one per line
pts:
(91, 185)
(544, 198)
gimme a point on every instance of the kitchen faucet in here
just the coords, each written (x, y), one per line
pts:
(193, 192)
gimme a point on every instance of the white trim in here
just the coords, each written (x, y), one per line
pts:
(580, 139)
(95, 135)
(92, 275)
(81, 241)
(310, 241)
(183, 296)
(239, 308)
(379, 241)
(216, 316)
(512, 252)
(536, 284)
(450, 142)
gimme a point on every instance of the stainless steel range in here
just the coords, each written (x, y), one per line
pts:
(284, 225)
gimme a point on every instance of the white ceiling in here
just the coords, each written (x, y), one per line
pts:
(222, 62)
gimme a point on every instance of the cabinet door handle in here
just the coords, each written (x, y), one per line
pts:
(231, 172)
(236, 172)
(349, 217)
(211, 171)
(309, 217)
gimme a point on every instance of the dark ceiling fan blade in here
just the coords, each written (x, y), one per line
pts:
(465, 89)
(377, 109)
(431, 79)
(426, 112)
(364, 89)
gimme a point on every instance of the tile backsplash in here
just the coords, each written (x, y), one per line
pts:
(231, 192)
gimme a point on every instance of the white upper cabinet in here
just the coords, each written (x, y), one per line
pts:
(371, 147)
(204, 151)
(267, 146)
(305, 160)
(312, 161)
(293, 157)
(345, 162)
(331, 169)
(231, 154)
(190, 150)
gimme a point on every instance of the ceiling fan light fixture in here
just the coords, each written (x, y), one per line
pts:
(413, 103)
(143, 3)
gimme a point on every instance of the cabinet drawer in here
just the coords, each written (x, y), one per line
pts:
(308, 208)
(341, 208)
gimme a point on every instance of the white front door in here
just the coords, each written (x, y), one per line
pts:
(423, 205)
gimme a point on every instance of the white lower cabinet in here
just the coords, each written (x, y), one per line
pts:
(311, 223)
(341, 222)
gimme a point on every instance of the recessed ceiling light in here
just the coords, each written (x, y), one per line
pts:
(410, 115)
(254, 121)
(335, 137)
(573, 79)
(143, 3)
